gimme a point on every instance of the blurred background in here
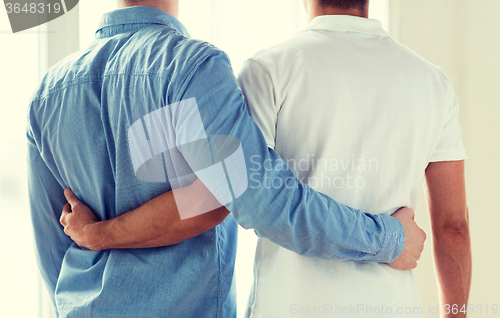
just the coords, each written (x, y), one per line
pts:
(460, 36)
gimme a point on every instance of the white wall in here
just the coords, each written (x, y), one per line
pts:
(462, 37)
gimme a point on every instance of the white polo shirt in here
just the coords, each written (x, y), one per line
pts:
(358, 117)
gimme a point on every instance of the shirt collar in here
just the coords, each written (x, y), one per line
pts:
(134, 18)
(347, 23)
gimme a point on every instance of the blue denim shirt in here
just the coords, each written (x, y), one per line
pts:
(142, 60)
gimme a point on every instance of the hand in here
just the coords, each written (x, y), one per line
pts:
(414, 243)
(78, 219)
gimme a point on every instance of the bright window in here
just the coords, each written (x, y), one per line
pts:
(19, 279)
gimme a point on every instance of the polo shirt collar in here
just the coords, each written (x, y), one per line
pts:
(347, 23)
(134, 18)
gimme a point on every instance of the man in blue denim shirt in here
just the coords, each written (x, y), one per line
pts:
(143, 60)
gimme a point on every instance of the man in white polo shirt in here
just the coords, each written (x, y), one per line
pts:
(362, 119)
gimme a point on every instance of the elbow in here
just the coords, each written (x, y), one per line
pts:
(214, 218)
(220, 215)
(457, 226)
(461, 229)
(458, 229)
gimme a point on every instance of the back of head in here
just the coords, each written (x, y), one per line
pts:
(343, 4)
(169, 6)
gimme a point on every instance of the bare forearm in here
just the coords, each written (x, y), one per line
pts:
(136, 228)
(450, 228)
(156, 223)
(452, 253)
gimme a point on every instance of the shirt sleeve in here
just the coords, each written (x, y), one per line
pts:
(275, 203)
(46, 201)
(257, 86)
(450, 146)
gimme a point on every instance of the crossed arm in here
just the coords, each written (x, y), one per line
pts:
(156, 223)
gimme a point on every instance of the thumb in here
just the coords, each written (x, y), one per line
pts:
(64, 215)
(71, 197)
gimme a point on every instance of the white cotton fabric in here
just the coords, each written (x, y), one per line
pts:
(358, 117)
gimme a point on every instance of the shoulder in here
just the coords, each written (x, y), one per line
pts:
(155, 51)
(184, 48)
(58, 76)
(415, 61)
(171, 55)
(276, 62)
(281, 54)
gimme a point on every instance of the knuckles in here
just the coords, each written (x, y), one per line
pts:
(424, 236)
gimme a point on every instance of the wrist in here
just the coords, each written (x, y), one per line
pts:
(393, 240)
(94, 235)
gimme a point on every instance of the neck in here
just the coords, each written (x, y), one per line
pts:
(169, 6)
(314, 10)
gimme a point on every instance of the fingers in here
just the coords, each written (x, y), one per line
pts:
(405, 212)
(403, 265)
(64, 215)
(71, 197)
(414, 243)
(424, 238)
(67, 208)
(412, 214)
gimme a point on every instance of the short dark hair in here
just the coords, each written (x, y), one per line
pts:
(343, 4)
